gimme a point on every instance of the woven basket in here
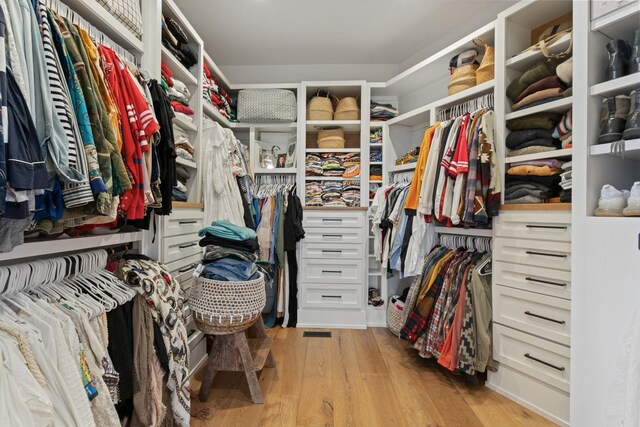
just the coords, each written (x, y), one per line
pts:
(222, 308)
(320, 108)
(486, 71)
(331, 138)
(395, 316)
(347, 109)
(463, 77)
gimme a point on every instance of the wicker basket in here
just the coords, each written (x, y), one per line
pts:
(486, 71)
(331, 138)
(347, 109)
(320, 108)
(222, 308)
(463, 77)
(395, 315)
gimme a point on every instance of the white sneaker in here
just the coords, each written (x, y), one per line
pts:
(611, 202)
(633, 203)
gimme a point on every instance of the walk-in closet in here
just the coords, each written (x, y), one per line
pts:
(331, 213)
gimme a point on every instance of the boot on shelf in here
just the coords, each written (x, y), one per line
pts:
(634, 62)
(632, 127)
(619, 55)
(613, 118)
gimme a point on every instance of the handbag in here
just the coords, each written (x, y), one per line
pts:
(549, 37)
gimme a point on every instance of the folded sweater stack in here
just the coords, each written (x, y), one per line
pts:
(333, 164)
(332, 193)
(566, 182)
(382, 112)
(547, 81)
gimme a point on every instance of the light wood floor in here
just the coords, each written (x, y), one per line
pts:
(355, 378)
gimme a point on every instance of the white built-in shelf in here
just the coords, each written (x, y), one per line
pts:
(375, 273)
(99, 17)
(186, 163)
(213, 113)
(268, 127)
(465, 95)
(475, 232)
(402, 168)
(376, 124)
(565, 152)
(375, 146)
(185, 124)
(524, 61)
(347, 125)
(620, 86)
(40, 248)
(375, 181)
(632, 149)
(276, 171)
(418, 116)
(375, 163)
(559, 106)
(179, 71)
(331, 178)
(217, 72)
(620, 23)
(333, 150)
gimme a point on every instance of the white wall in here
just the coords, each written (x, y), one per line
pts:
(247, 74)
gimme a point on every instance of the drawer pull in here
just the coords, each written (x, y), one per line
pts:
(550, 227)
(187, 222)
(546, 282)
(188, 245)
(184, 270)
(332, 271)
(331, 219)
(334, 236)
(551, 365)
(332, 296)
(560, 322)
(546, 254)
(330, 251)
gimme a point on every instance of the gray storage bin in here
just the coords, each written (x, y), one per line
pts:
(267, 106)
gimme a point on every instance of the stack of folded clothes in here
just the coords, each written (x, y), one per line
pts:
(332, 165)
(375, 173)
(180, 189)
(546, 81)
(176, 41)
(382, 112)
(352, 171)
(184, 148)
(230, 254)
(532, 134)
(166, 77)
(533, 181)
(351, 193)
(313, 194)
(375, 156)
(566, 182)
(332, 194)
(179, 96)
(375, 137)
(217, 96)
(564, 130)
(313, 165)
(410, 157)
(350, 159)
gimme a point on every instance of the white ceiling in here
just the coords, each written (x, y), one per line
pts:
(295, 32)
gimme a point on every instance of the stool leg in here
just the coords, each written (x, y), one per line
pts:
(249, 369)
(209, 375)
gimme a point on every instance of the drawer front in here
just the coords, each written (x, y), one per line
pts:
(197, 355)
(335, 236)
(175, 267)
(556, 283)
(330, 296)
(542, 359)
(332, 251)
(333, 219)
(339, 272)
(550, 226)
(538, 253)
(186, 288)
(180, 247)
(540, 315)
(183, 222)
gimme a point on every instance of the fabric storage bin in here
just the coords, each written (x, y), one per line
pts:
(267, 106)
(128, 12)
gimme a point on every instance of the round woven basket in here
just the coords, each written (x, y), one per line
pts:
(463, 77)
(222, 308)
(486, 71)
(331, 138)
(395, 317)
(347, 109)
(320, 108)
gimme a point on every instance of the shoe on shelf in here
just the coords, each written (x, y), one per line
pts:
(632, 127)
(612, 201)
(619, 55)
(634, 62)
(613, 118)
(633, 203)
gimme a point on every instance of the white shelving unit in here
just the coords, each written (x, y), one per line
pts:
(179, 71)
(565, 152)
(557, 106)
(622, 85)
(185, 124)
(524, 61)
(631, 151)
(347, 125)
(402, 168)
(333, 150)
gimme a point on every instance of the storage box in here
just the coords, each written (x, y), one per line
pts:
(267, 106)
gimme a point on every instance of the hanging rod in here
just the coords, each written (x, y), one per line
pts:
(483, 101)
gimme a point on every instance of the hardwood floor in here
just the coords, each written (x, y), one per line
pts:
(355, 378)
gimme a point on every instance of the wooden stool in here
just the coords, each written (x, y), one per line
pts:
(247, 351)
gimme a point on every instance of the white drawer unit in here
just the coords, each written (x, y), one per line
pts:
(540, 315)
(180, 247)
(335, 236)
(331, 296)
(174, 267)
(183, 222)
(540, 253)
(338, 271)
(542, 359)
(535, 225)
(555, 283)
(334, 219)
(332, 251)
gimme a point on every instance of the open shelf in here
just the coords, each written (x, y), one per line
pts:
(330, 178)
(620, 86)
(402, 168)
(43, 247)
(276, 171)
(186, 163)
(524, 61)
(412, 118)
(376, 163)
(185, 124)
(566, 152)
(476, 232)
(333, 150)
(187, 205)
(465, 95)
(213, 113)
(375, 181)
(537, 207)
(559, 106)
(620, 23)
(347, 125)
(179, 71)
(632, 149)
(376, 124)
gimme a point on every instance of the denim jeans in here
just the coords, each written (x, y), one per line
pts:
(230, 269)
